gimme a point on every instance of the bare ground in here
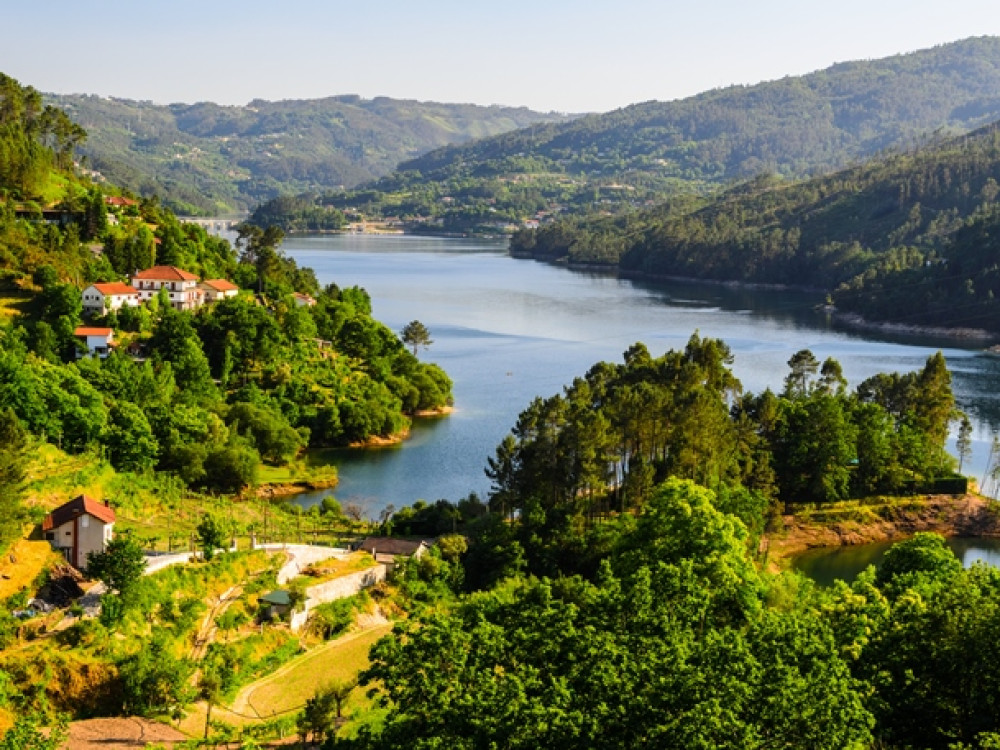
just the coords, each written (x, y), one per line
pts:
(970, 515)
(120, 734)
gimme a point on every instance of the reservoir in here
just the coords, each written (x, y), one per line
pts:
(509, 330)
(827, 564)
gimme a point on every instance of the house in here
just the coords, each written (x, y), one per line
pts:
(81, 526)
(118, 201)
(216, 289)
(99, 340)
(303, 300)
(181, 285)
(385, 549)
(278, 603)
(114, 295)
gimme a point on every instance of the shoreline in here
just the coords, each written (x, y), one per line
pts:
(847, 319)
(383, 441)
(966, 516)
(272, 491)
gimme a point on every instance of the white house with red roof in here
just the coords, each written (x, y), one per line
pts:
(99, 341)
(81, 526)
(303, 300)
(216, 289)
(112, 295)
(181, 285)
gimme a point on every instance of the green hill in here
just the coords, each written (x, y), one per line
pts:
(906, 238)
(793, 127)
(208, 158)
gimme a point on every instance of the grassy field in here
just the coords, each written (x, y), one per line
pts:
(293, 684)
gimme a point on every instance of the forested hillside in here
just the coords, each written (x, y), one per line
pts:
(210, 159)
(206, 395)
(793, 127)
(903, 238)
(617, 595)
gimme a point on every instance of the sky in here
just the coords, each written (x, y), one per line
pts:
(549, 55)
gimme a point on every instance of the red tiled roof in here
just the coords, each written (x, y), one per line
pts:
(115, 287)
(117, 200)
(221, 285)
(93, 331)
(165, 273)
(77, 507)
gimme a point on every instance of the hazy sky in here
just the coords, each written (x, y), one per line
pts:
(565, 55)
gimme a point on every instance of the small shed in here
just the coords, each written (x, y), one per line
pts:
(79, 527)
(278, 603)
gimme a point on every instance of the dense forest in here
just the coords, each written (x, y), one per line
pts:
(626, 159)
(211, 159)
(903, 238)
(615, 596)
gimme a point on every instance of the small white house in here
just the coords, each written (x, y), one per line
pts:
(303, 300)
(182, 286)
(99, 341)
(81, 526)
(113, 295)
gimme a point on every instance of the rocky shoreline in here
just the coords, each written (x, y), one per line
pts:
(968, 516)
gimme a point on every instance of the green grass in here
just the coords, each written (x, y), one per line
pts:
(293, 684)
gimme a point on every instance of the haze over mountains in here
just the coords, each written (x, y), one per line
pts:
(794, 126)
(210, 158)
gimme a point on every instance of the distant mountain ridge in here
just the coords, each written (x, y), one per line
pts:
(635, 157)
(211, 158)
(792, 126)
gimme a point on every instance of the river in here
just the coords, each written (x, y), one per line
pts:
(508, 330)
(828, 564)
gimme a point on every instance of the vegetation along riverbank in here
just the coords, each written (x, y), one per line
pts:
(620, 585)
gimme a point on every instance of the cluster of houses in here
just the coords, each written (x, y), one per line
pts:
(183, 289)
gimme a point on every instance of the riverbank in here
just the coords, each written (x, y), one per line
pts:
(853, 320)
(847, 319)
(895, 519)
(272, 490)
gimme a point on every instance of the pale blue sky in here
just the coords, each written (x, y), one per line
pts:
(570, 56)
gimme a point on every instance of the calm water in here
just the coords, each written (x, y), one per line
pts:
(845, 563)
(508, 330)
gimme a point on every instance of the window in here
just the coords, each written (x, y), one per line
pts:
(85, 519)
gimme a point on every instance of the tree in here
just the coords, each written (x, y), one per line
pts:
(416, 335)
(803, 365)
(211, 536)
(27, 733)
(963, 444)
(324, 710)
(120, 565)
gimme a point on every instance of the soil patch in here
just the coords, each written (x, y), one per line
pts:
(970, 515)
(120, 734)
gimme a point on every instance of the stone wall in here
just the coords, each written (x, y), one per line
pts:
(338, 588)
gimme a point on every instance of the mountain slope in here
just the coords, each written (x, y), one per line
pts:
(212, 158)
(791, 126)
(624, 159)
(905, 237)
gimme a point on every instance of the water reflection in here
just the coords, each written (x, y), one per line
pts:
(830, 564)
